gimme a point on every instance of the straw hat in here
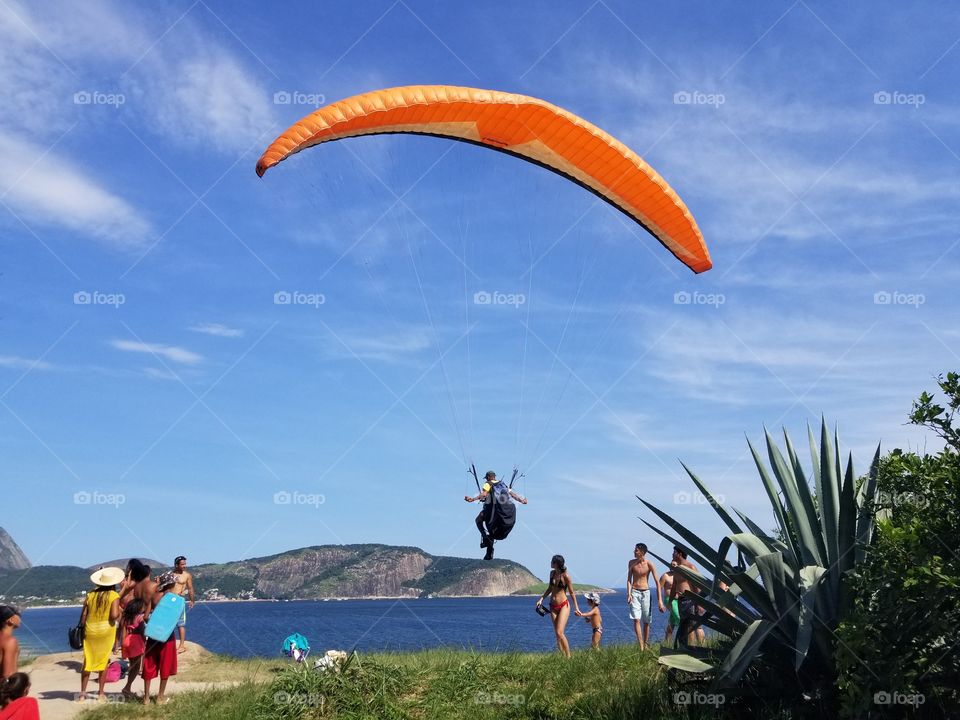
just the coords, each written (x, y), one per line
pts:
(107, 577)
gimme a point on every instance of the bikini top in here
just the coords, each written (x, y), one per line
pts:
(554, 578)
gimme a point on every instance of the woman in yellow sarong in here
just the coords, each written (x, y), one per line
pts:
(101, 609)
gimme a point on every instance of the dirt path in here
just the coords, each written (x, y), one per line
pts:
(55, 682)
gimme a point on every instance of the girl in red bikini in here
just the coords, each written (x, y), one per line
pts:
(559, 606)
(133, 641)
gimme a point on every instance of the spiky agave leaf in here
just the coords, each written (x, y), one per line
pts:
(788, 599)
(847, 530)
(687, 663)
(865, 519)
(716, 504)
(806, 498)
(829, 501)
(810, 577)
(778, 510)
(773, 573)
(741, 655)
(771, 542)
(693, 541)
(805, 525)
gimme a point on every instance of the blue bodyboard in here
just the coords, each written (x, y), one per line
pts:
(164, 618)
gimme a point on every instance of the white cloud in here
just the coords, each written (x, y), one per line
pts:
(387, 347)
(201, 94)
(53, 191)
(217, 330)
(159, 374)
(15, 361)
(191, 88)
(740, 166)
(172, 353)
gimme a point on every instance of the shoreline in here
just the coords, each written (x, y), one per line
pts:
(76, 606)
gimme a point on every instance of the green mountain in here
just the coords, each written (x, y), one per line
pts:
(323, 571)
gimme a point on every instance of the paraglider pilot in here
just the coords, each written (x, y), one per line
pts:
(496, 519)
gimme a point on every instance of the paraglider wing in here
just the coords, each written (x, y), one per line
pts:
(520, 125)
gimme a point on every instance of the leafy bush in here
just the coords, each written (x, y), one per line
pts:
(899, 651)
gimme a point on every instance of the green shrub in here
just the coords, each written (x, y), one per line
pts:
(899, 650)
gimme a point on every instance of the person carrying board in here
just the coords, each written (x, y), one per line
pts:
(160, 656)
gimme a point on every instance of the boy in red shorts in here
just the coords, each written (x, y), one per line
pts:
(160, 658)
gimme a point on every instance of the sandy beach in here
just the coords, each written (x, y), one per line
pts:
(55, 682)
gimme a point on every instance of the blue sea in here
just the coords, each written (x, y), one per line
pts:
(250, 629)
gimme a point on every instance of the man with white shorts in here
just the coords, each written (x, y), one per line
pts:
(638, 593)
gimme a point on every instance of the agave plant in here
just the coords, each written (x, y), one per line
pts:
(786, 593)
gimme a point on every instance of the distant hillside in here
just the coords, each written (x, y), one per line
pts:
(11, 556)
(342, 571)
(122, 563)
(323, 571)
(539, 588)
(44, 584)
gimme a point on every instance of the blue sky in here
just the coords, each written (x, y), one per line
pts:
(156, 400)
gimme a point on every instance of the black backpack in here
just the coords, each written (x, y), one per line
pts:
(501, 513)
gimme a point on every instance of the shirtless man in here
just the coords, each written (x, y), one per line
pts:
(666, 582)
(687, 608)
(9, 645)
(183, 587)
(638, 593)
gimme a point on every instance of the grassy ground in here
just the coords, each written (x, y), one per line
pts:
(619, 682)
(220, 668)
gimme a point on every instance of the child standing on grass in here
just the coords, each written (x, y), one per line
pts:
(592, 617)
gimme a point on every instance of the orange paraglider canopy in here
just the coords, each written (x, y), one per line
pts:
(520, 125)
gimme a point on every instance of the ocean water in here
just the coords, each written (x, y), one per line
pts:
(249, 629)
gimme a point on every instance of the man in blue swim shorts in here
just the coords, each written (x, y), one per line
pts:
(639, 570)
(184, 588)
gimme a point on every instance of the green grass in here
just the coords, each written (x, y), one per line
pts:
(618, 682)
(222, 669)
(235, 703)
